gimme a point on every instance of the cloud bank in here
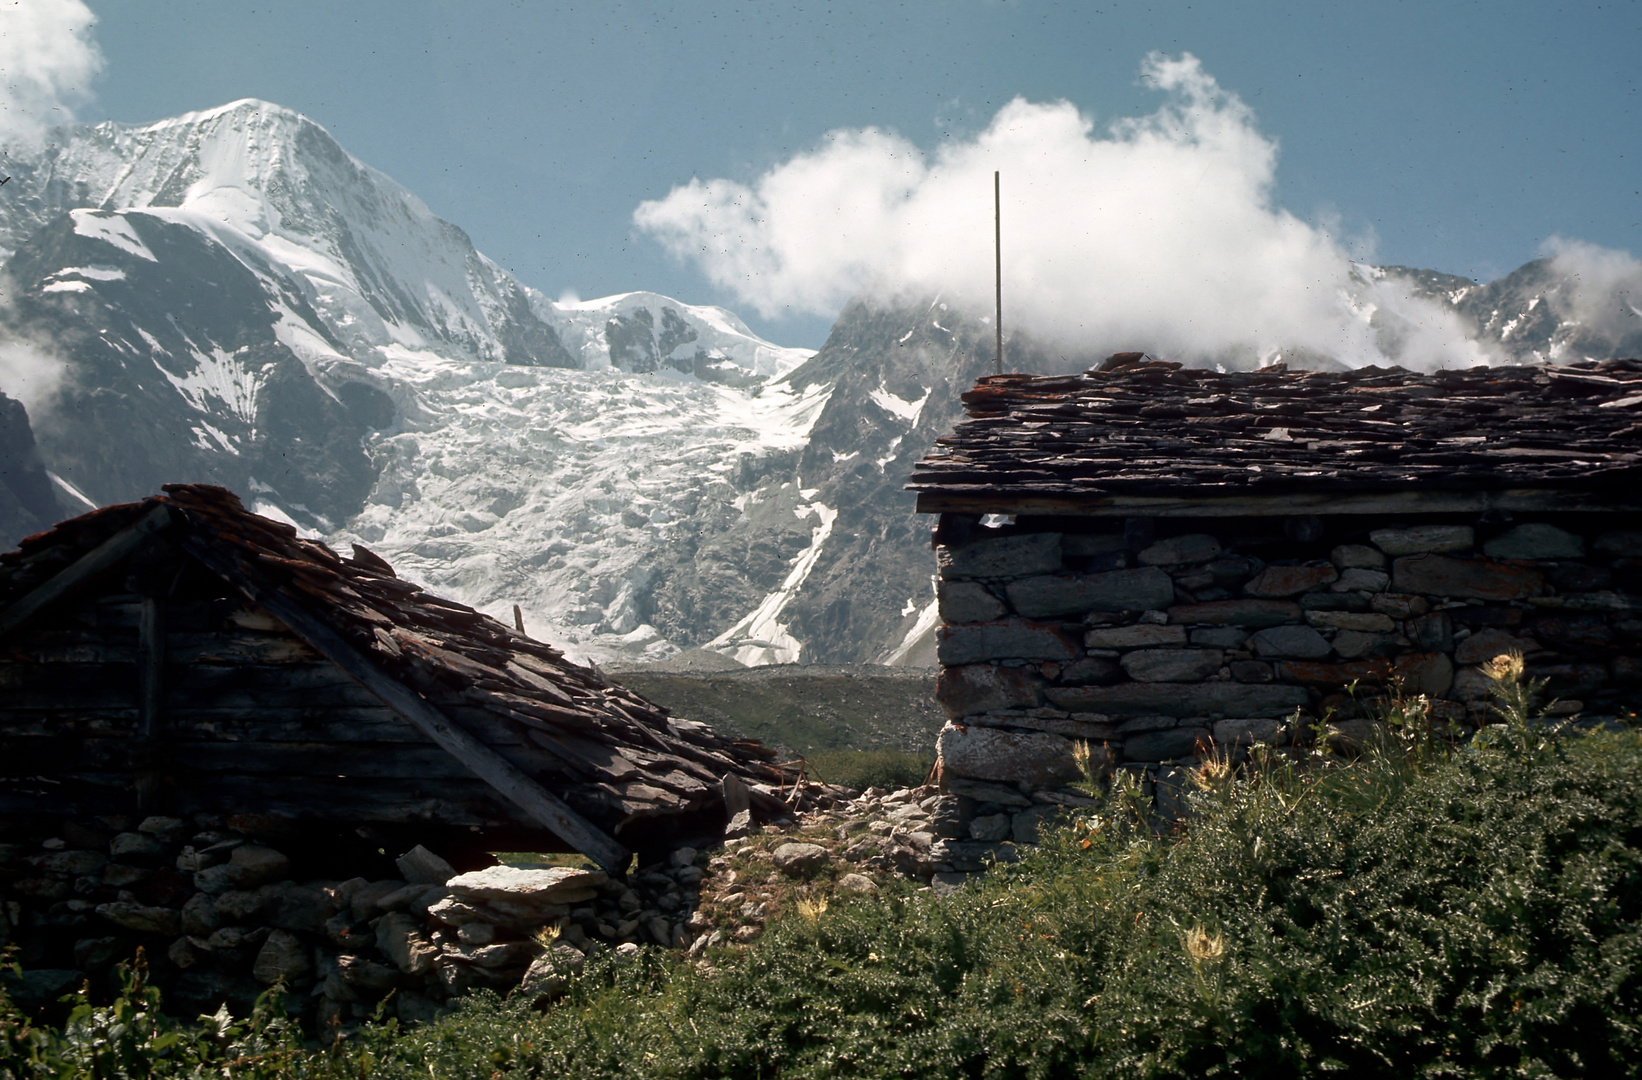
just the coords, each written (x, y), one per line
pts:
(1159, 232)
(1607, 293)
(47, 63)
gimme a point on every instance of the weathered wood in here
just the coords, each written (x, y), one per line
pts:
(85, 568)
(507, 779)
(150, 695)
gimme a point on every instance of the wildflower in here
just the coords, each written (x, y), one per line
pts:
(1506, 667)
(1202, 946)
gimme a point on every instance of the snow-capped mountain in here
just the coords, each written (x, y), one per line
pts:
(230, 297)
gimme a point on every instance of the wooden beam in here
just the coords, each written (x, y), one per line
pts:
(509, 781)
(1390, 502)
(85, 568)
(150, 691)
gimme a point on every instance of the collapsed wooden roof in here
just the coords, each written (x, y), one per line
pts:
(1137, 436)
(620, 753)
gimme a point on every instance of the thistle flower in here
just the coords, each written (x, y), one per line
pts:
(1202, 946)
(1506, 667)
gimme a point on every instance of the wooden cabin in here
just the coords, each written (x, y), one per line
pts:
(1158, 559)
(181, 655)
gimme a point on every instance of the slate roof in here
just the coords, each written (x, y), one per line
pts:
(1137, 427)
(622, 754)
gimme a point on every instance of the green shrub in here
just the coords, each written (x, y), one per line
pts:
(861, 769)
(1419, 911)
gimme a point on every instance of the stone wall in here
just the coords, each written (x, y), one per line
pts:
(1154, 640)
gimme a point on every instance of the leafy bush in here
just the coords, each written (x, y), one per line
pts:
(1419, 911)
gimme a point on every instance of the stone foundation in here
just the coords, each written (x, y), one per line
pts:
(1156, 640)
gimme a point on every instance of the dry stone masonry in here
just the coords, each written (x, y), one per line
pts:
(1156, 562)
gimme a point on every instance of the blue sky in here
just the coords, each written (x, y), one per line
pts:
(1456, 136)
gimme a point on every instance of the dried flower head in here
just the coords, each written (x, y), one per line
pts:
(812, 910)
(1203, 946)
(1506, 667)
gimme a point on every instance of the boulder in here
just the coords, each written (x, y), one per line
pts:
(1275, 582)
(1008, 556)
(1357, 557)
(1480, 579)
(1429, 673)
(419, 866)
(401, 940)
(1003, 639)
(1424, 539)
(990, 828)
(975, 688)
(283, 956)
(1400, 605)
(855, 883)
(967, 601)
(982, 753)
(1173, 665)
(1535, 540)
(1355, 644)
(298, 908)
(798, 859)
(1178, 550)
(1073, 594)
(251, 865)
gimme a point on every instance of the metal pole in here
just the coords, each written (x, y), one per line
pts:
(997, 256)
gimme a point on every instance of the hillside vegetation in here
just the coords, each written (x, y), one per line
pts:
(1421, 910)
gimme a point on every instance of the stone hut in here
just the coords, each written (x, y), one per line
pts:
(183, 656)
(1158, 560)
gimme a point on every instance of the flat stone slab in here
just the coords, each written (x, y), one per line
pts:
(1369, 621)
(1535, 540)
(967, 601)
(1478, 579)
(1255, 613)
(1180, 550)
(1424, 539)
(983, 753)
(1172, 665)
(1138, 636)
(1334, 676)
(1276, 582)
(1002, 639)
(1007, 556)
(1165, 745)
(1141, 589)
(1070, 727)
(512, 887)
(1489, 642)
(1358, 556)
(1300, 642)
(966, 689)
(1182, 699)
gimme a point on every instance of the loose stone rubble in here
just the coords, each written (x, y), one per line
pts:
(220, 917)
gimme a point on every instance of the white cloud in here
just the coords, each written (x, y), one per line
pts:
(1158, 232)
(1606, 292)
(47, 63)
(32, 372)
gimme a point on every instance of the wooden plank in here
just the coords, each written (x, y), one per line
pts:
(82, 570)
(150, 692)
(1396, 502)
(507, 779)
